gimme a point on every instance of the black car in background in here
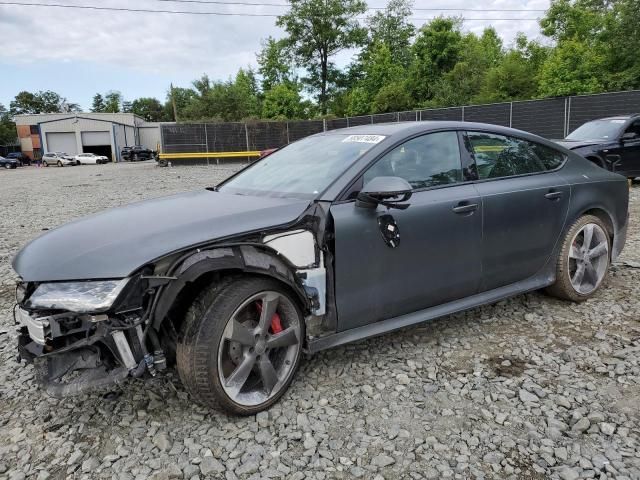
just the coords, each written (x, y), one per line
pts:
(8, 163)
(612, 143)
(136, 153)
(20, 157)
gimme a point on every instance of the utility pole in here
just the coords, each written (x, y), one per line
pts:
(173, 103)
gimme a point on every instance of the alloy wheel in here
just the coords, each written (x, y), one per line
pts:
(258, 349)
(588, 258)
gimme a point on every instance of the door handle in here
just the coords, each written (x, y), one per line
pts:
(553, 195)
(465, 207)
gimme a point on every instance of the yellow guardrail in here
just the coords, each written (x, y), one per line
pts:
(177, 156)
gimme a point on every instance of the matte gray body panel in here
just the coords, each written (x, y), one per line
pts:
(520, 225)
(116, 242)
(438, 258)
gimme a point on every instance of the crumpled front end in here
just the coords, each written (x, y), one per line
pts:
(76, 346)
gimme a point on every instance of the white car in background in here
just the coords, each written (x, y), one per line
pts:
(90, 159)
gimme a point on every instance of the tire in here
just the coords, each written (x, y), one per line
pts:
(45, 164)
(7, 166)
(60, 164)
(208, 355)
(595, 268)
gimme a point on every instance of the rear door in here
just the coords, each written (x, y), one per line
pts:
(524, 205)
(437, 258)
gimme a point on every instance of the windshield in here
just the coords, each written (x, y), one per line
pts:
(598, 130)
(303, 169)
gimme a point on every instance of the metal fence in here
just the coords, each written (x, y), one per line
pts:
(551, 118)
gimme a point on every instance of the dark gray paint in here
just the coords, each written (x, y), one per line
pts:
(446, 261)
(114, 243)
(438, 258)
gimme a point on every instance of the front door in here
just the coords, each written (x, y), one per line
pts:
(437, 258)
(524, 204)
(629, 152)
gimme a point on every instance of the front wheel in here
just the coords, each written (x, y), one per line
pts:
(45, 163)
(584, 260)
(60, 164)
(241, 344)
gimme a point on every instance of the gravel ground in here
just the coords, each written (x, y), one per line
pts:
(528, 388)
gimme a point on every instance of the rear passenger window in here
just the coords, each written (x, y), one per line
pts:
(501, 156)
(426, 161)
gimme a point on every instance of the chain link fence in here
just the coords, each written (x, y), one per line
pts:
(551, 118)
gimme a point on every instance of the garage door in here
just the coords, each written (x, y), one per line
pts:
(62, 142)
(90, 139)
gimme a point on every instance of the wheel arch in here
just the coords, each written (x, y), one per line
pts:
(199, 269)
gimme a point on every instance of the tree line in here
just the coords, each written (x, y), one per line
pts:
(593, 47)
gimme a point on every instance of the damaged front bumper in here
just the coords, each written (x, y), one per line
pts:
(74, 353)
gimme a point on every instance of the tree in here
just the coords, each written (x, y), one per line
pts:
(182, 97)
(148, 108)
(282, 102)
(8, 135)
(113, 102)
(436, 50)
(274, 64)
(393, 28)
(40, 102)
(572, 68)
(318, 30)
(392, 97)
(98, 103)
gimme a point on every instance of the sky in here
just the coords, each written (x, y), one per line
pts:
(79, 52)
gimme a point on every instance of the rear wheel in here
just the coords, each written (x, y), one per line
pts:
(584, 260)
(45, 163)
(60, 163)
(241, 344)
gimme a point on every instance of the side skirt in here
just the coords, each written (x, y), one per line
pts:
(431, 313)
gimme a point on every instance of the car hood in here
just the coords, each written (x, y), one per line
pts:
(573, 144)
(116, 242)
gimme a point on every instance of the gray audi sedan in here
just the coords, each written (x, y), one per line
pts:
(337, 237)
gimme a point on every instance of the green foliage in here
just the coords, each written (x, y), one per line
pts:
(572, 68)
(98, 103)
(282, 102)
(148, 108)
(275, 64)
(436, 50)
(392, 97)
(112, 102)
(317, 30)
(41, 102)
(8, 135)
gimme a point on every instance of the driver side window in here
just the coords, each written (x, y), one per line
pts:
(427, 161)
(634, 128)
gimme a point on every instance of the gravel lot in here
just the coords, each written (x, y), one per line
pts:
(528, 388)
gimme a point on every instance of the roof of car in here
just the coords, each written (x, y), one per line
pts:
(621, 117)
(402, 128)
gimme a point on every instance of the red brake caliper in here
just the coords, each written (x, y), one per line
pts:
(276, 325)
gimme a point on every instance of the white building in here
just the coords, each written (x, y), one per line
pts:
(73, 133)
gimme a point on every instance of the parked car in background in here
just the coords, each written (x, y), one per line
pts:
(8, 163)
(90, 159)
(20, 157)
(612, 143)
(137, 152)
(334, 238)
(60, 159)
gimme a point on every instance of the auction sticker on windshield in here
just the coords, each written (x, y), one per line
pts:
(364, 139)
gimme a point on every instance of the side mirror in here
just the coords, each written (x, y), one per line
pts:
(387, 191)
(629, 136)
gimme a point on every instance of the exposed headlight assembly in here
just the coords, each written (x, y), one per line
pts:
(79, 297)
